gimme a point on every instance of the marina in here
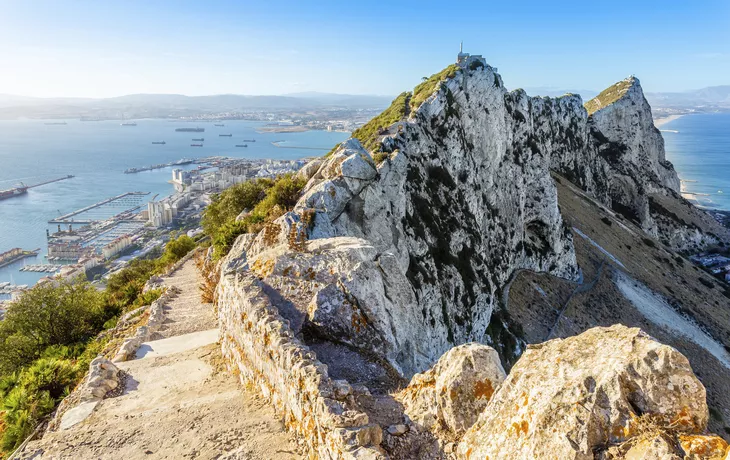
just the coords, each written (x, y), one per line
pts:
(129, 200)
(41, 268)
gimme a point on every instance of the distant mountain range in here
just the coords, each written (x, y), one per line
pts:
(715, 98)
(177, 105)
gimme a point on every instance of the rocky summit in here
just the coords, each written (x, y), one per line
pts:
(447, 234)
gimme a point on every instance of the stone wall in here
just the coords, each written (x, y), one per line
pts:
(262, 350)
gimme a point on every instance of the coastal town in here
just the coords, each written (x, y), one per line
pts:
(84, 246)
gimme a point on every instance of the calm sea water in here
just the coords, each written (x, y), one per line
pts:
(97, 153)
(700, 151)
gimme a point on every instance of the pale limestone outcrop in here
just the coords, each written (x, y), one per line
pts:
(570, 398)
(448, 398)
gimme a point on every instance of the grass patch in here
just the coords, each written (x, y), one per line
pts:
(368, 133)
(608, 96)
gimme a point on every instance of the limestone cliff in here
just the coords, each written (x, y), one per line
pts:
(462, 200)
(398, 252)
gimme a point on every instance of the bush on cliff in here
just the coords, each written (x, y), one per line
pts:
(266, 199)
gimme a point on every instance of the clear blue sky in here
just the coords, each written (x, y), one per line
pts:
(108, 48)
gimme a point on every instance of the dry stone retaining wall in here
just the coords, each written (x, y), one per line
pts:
(144, 333)
(261, 348)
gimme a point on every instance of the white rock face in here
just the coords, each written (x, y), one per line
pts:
(448, 398)
(569, 398)
(464, 201)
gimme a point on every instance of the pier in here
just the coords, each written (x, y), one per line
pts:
(123, 199)
(181, 162)
(276, 144)
(51, 181)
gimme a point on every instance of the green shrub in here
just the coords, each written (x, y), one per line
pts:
(32, 394)
(266, 199)
(176, 249)
(379, 157)
(49, 314)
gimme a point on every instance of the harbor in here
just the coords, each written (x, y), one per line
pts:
(129, 200)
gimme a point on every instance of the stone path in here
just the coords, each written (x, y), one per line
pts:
(179, 400)
(185, 313)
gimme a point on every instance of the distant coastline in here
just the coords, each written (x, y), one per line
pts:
(664, 120)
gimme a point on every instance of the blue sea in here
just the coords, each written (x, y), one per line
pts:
(97, 153)
(699, 147)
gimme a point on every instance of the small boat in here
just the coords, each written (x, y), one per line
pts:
(159, 142)
(225, 135)
(199, 140)
(196, 145)
(249, 140)
(219, 125)
(242, 145)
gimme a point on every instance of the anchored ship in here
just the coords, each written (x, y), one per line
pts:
(159, 142)
(129, 124)
(226, 135)
(196, 145)
(219, 125)
(199, 140)
(249, 140)
(242, 145)
(189, 130)
(9, 193)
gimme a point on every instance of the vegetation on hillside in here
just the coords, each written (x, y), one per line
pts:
(608, 96)
(368, 133)
(265, 199)
(404, 104)
(425, 89)
(50, 335)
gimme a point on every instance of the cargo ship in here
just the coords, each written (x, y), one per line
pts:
(190, 130)
(9, 193)
(159, 142)
(199, 140)
(56, 123)
(15, 254)
(242, 145)
(219, 125)
(249, 140)
(225, 135)
(196, 145)
(129, 124)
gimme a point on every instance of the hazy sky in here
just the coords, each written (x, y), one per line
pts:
(109, 48)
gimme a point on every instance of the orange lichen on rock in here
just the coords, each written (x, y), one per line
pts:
(483, 389)
(703, 447)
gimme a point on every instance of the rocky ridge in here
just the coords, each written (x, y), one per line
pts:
(398, 262)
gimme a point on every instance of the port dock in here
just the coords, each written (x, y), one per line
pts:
(130, 199)
(51, 181)
(181, 162)
(278, 144)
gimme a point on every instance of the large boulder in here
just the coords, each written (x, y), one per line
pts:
(448, 398)
(570, 398)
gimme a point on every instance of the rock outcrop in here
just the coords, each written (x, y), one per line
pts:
(448, 398)
(571, 398)
(394, 263)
